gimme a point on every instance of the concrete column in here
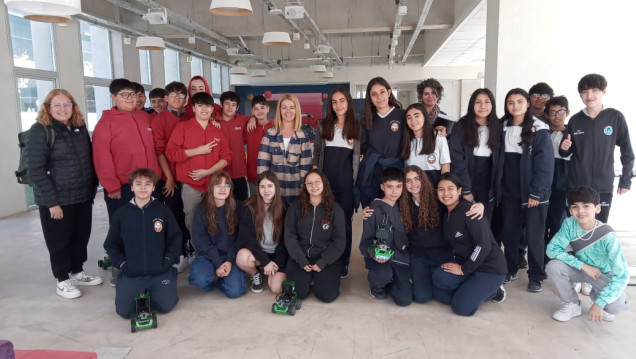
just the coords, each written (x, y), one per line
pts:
(184, 68)
(158, 73)
(69, 61)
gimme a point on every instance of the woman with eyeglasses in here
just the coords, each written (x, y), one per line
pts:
(285, 149)
(477, 152)
(315, 239)
(59, 163)
(214, 238)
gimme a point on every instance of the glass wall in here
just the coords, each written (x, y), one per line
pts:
(32, 42)
(196, 66)
(97, 100)
(145, 67)
(96, 52)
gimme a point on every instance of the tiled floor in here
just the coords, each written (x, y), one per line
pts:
(208, 325)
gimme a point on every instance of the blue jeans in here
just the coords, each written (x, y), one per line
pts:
(470, 291)
(422, 277)
(203, 271)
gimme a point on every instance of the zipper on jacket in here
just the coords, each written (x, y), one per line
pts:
(311, 234)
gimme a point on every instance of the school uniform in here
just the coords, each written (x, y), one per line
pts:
(430, 163)
(557, 208)
(233, 130)
(265, 250)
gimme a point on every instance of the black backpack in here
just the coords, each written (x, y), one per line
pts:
(21, 173)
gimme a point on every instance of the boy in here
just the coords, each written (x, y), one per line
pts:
(592, 136)
(144, 242)
(162, 126)
(556, 110)
(141, 98)
(540, 93)
(157, 100)
(198, 150)
(260, 109)
(598, 259)
(385, 227)
(233, 127)
(122, 142)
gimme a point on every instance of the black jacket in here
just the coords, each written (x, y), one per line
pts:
(64, 174)
(593, 143)
(247, 239)
(314, 236)
(474, 246)
(463, 162)
(383, 214)
(143, 241)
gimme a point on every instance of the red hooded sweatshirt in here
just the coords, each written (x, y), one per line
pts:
(122, 142)
(189, 113)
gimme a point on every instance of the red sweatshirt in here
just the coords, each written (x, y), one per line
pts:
(253, 141)
(122, 142)
(162, 126)
(233, 131)
(188, 135)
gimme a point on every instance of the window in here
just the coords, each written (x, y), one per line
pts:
(97, 100)
(225, 78)
(32, 42)
(144, 67)
(32, 93)
(171, 65)
(216, 79)
(96, 51)
(196, 66)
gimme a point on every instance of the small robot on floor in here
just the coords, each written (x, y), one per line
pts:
(288, 302)
(143, 317)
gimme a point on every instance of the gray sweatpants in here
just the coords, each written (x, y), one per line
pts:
(562, 275)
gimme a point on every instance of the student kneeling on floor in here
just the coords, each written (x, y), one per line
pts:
(144, 241)
(597, 259)
(384, 230)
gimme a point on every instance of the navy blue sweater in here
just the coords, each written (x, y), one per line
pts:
(143, 241)
(429, 243)
(220, 247)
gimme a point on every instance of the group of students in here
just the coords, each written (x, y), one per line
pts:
(182, 175)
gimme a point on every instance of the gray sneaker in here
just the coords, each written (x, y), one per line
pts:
(83, 278)
(567, 312)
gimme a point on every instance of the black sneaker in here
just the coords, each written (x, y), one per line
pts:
(344, 272)
(510, 277)
(534, 286)
(257, 284)
(377, 293)
(523, 263)
(500, 295)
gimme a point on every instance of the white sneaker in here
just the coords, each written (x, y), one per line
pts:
(82, 278)
(67, 289)
(184, 263)
(608, 317)
(567, 312)
(586, 288)
(576, 286)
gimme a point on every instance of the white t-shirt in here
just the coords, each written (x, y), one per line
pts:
(512, 139)
(433, 161)
(286, 142)
(483, 150)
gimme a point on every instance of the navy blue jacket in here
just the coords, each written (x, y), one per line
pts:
(220, 247)
(463, 162)
(537, 164)
(428, 243)
(143, 241)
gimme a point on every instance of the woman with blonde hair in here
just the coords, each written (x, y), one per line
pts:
(285, 149)
(59, 163)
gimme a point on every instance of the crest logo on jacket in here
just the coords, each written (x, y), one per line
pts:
(431, 158)
(325, 224)
(350, 142)
(395, 126)
(608, 130)
(157, 225)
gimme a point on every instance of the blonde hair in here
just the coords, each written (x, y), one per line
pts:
(44, 115)
(278, 121)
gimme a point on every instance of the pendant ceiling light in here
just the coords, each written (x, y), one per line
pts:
(150, 43)
(231, 7)
(41, 9)
(317, 68)
(259, 73)
(238, 70)
(276, 38)
(48, 18)
(327, 75)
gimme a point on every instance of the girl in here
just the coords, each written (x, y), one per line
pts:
(478, 268)
(285, 149)
(421, 147)
(381, 138)
(59, 163)
(261, 233)
(214, 238)
(476, 151)
(337, 155)
(199, 84)
(527, 178)
(315, 239)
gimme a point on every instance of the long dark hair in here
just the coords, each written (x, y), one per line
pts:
(351, 130)
(276, 209)
(428, 216)
(428, 135)
(327, 196)
(369, 109)
(471, 128)
(526, 126)
(209, 207)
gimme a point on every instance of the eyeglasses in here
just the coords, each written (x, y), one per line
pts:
(175, 94)
(222, 186)
(126, 95)
(559, 112)
(544, 96)
(58, 106)
(314, 183)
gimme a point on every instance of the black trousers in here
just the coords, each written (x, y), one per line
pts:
(326, 282)
(67, 238)
(345, 200)
(175, 203)
(606, 205)
(516, 218)
(556, 214)
(394, 277)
